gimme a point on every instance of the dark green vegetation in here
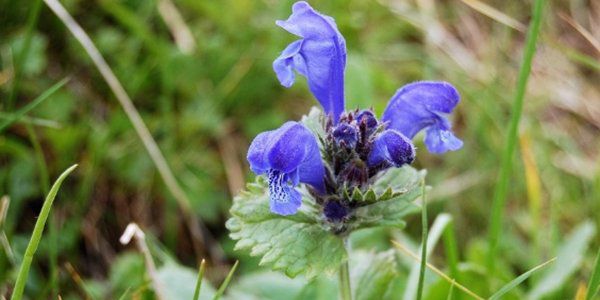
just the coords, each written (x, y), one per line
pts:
(204, 106)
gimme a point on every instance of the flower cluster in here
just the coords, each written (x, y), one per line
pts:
(357, 145)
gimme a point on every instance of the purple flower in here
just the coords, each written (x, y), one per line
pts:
(356, 145)
(423, 105)
(320, 56)
(288, 155)
(393, 148)
(345, 135)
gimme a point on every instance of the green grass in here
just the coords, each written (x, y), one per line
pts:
(33, 104)
(199, 280)
(36, 236)
(506, 163)
(203, 108)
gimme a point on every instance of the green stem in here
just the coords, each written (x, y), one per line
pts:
(345, 289)
(501, 187)
(36, 236)
(424, 237)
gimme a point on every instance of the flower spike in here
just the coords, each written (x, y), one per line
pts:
(320, 56)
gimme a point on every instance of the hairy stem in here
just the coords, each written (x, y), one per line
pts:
(345, 289)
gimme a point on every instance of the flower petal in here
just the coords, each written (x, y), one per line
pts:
(284, 199)
(256, 153)
(291, 149)
(285, 64)
(421, 105)
(391, 147)
(320, 56)
(439, 141)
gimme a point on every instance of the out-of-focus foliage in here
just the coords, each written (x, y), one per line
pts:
(204, 107)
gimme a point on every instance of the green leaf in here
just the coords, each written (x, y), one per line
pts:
(392, 211)
(320, 288)
(177, 282)
(294, 244)
(266, 286)
(372, 274)
(400, 180)
(313, 121)
(570, 255)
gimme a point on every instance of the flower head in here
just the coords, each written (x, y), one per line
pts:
(423, 105)
(356, 146)
(320, 56)
(287, 156)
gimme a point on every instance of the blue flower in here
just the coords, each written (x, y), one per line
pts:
(320, 56)
(423, 105)
(288, 156)
(356, 146)
(393, 148)
(345, 135)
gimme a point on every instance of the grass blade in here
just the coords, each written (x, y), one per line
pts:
(495, 14)
(424, 241)
(594, 284)
(501, 187)
(125, 294)
(451, 249)
(33, 121)
(515, 282)
(197, 228)
(19, 58)
(226, 282)
(199, 281)
(37, 101)
(36, 236)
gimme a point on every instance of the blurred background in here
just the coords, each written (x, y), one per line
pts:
(199, 74)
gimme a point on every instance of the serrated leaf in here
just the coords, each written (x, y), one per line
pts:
(391, 212)
(294, 244)
(372, 274)
(400, 180)
(386, 213)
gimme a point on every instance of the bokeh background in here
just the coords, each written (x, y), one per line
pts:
(204, 86)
